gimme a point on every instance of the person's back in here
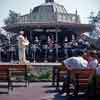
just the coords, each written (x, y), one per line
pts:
(76, 62)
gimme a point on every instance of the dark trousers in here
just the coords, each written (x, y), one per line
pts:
(91, 91)
(66, 84)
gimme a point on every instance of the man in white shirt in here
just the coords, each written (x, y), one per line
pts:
(78, 62)
(22, 43)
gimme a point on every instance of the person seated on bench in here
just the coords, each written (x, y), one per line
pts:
(78, 62)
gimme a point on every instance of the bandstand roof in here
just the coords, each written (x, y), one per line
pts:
(49, 15)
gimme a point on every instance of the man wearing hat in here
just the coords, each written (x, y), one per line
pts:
(22, 44)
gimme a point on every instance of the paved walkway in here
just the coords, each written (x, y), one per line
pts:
(36, 91)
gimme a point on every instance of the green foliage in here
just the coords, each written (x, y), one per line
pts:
(43, 75)
(31, 77)
(93, 19)
(12, 18)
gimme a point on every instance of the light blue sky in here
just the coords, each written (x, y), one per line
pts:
(84, 7)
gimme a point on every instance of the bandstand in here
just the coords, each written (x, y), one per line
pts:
(49, 28)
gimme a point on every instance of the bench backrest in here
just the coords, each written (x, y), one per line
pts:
(6, 69)
(83, 75)
(18, 67)
(4, 72)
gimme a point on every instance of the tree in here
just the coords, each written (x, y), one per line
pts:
(95, 20)
(12, 18)
(95, 34)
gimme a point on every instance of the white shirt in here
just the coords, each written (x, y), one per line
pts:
(93, 63)
(22, 42)
(76, 62)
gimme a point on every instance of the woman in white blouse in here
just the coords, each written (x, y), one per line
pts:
(92, 59)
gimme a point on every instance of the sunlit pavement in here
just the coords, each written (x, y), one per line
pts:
(35, 91)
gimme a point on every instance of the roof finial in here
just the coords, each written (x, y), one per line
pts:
(46, 1)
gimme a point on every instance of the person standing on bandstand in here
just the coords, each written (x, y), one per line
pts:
(22, 44)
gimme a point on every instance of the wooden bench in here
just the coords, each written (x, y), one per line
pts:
(81, 79)
(11, 73)
(18, 73)
(5, 77)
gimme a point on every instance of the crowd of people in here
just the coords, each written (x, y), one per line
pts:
(48, 50)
